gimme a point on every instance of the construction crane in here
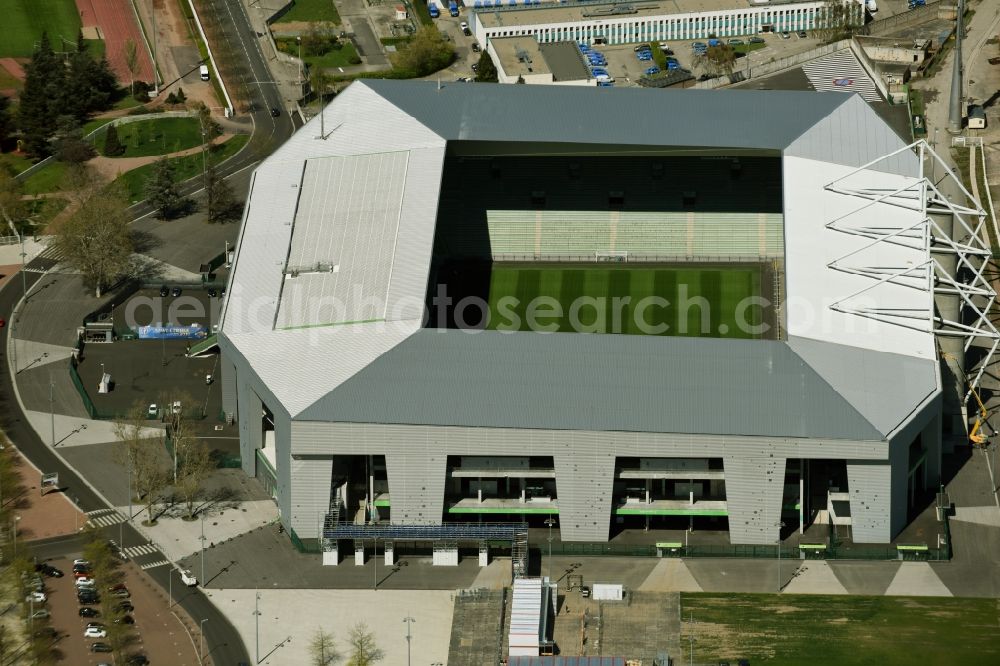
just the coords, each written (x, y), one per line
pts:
(975, 436)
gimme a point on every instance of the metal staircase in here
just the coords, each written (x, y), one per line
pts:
(332, 519)
(519, 554)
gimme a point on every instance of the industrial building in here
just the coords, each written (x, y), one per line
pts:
(370, 410)
(627, 23)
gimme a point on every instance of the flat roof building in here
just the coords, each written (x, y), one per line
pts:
(524, 58)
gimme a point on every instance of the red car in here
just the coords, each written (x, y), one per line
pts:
(3, 322)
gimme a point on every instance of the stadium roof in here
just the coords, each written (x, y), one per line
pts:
(327, 292)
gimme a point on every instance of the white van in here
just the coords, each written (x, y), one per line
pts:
(203, 70)
(872, 7)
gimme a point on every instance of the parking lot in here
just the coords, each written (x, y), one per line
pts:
(159, 633)
(146, 371)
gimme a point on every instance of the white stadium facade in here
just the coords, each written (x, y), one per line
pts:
(361, 412)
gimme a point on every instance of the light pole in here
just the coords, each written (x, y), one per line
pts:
(374, 561)
(170, 588)
(409, 621)
(256, 622)
(14, 534)
(550, 522)
(203, 550)
(779, 525)
(299, 41)
(201, 644)
(52, 409)
(20, 239)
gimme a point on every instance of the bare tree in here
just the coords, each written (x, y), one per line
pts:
(364, 651)
(722, 58)
(195, 465)
(142, 453)
(95, 239)
(322, 649)
(131, 63)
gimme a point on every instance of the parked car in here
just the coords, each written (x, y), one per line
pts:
(50, 571)
(188, 578)
(476, 48)
(85, 581)
(40, 614)
(36, 597)
(757, 40)
(802, 34)
(164, 291)
(175, 408)
(275, 112)
(785, 35)
(136, 660)
(81, 563)
(95, 632)
(213, 292)
(124, 619)
(176, 291)
(99, 625)
(465, 29)
(475, 67)
(122, 594)
(100, 647)
(735, 42)
(650, 71)
(125, 606)
(86, 611)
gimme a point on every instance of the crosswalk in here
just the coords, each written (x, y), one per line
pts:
(104, 518)
(133, 552)
(153, 565)
(841, 72)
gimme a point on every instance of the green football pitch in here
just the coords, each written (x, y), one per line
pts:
(24, 21)
(651, 300)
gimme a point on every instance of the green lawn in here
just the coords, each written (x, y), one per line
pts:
(185, 167)
(47, 179)
(14, 164)
(311, 10)
(721, 288)
(24, 21)
(840, 630)
(156, 136)
(333, 58)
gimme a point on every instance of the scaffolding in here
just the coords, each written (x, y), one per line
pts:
(965, 244)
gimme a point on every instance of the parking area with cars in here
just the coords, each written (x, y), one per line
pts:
(158, 634)
(157, 370)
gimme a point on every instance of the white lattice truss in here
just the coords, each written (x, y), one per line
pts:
(966, 244)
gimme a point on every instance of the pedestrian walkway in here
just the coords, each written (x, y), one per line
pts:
(917, 579)
(133, 552)
(841, 72)
(104, 518)
(815, 577)
(153, 565)
(670, 575)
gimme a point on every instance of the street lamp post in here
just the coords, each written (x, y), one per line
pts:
(20, 239)
(550, 522)
(52, 409)
(299, 40)
(409, 621)
(170, 588)
(202, 549)
(779, 525)
(256, 623)
(375, 562)
(14, 534)
(201, 645)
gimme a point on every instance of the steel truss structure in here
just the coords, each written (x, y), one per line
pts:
(954, 260)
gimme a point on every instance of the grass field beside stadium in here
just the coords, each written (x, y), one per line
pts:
(822, 630)
(24, 21)
(700, 300)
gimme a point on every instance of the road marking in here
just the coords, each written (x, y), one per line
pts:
(104, 518)
(133, 552)
(153, 565)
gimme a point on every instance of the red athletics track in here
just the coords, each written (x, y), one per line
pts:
(117, 21)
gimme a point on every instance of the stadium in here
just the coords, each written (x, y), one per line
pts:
(459, 310)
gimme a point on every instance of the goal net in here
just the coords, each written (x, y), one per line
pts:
(619, 256)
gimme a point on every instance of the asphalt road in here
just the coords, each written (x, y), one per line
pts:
(220, 636)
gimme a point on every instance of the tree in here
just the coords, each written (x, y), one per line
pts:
(426, 53)
(210, 128)
(364, 651)
(322, 649)
(722, 58)
(162, 192)
(95, 239)
(68, 142)
(6, 122)
(194, 465)
(487, 70)
(838, 19)
(131, 54)
(142, 454)
(113, 146)
(222, 203)
(44, 82)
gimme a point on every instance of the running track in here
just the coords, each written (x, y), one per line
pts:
(118, 24)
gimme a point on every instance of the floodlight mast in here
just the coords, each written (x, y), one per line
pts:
(952, 237)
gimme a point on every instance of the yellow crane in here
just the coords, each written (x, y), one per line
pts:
(976, 437)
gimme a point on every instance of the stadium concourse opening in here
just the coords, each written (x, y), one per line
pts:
(640, 242)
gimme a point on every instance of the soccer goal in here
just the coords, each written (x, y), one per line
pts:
(615, 256)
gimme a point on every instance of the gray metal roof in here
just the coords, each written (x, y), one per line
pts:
(747, 119)
(567, 381)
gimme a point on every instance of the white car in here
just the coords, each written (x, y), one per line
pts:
(37, 597)
(94, 632)
(152, 411)
(86, 581)
(176, 407)
(188, 578)
(85, 563)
